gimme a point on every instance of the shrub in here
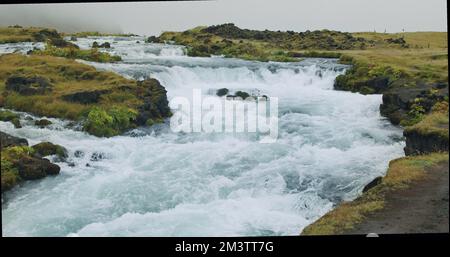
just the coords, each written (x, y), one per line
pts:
(109, 123)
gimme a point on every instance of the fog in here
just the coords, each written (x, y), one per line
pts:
(151, 18)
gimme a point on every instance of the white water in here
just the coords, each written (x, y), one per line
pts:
(22, 47)
(330, 145)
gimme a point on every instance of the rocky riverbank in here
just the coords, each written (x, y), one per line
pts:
(101, 103)
(417, 100)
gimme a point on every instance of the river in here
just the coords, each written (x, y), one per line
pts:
(155, 182)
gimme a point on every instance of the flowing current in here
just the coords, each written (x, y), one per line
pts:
(155, 182)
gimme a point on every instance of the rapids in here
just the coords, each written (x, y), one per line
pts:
(154, 182)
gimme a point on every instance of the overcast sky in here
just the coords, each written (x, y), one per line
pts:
(151, 18)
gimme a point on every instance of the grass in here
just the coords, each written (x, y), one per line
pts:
(74, 53)
(231, 41)
(15, 34)
(436, 123)
(97, 34)
(67, 77)
(401, 173)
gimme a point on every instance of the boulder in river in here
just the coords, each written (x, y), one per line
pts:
(42, 123)
(31, 168)
(222, 91)
(21, 162)
(156, 105)
(7, 140)
(46, 148)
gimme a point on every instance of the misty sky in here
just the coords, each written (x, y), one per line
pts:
(151, 18)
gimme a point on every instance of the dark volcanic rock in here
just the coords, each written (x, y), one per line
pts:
(104, 45)
(46, 148)
(42, 123)
(45, 34)
(97, 156)
(222, 91)
(153, 39)
(28, 85)
(78, 154)
(397, 101)
(372, 184)
(31, 168)
(156, 105)
(85, 97)
(378, 84)
(417, 143)
(7, 140)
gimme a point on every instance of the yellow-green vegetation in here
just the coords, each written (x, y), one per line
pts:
(11, 117)
(56, 45)
(9, 172)
(47, 148)
(231, 41)
(15, 34)
(425, 57)
(412, 73)
(401, 173)
(436, 123)
(92, 54)
(110, 122)
(76, 91)
(97, 34)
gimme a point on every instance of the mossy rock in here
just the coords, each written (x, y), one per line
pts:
(16, 123)
(8, 115)
(12, 117)
(21, 162)
(9, 175)
(31, 168)
(42, 123)
(46, 148)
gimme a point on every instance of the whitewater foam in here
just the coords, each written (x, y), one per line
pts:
(160, 183)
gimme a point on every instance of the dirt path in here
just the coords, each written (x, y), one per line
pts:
(422, 208)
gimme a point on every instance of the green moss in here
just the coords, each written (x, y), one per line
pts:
(8, 116)
(47, 148)
(151, 122)
(12, 117)
(107, 123)
(15, 152)
(9, 175)
(9, 172)
(231, 41)
(93, 54)
(433, 124)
